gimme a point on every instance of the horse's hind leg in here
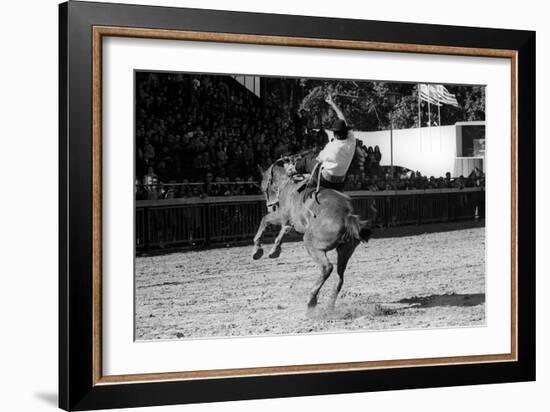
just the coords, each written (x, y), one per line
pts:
(320, 257)
(257, 251)
(276, 249)
(344, 251)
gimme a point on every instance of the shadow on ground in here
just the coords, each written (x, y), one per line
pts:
(425, 228)
(453, 299)
(373, 309)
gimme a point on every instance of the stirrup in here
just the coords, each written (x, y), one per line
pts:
(318, 186)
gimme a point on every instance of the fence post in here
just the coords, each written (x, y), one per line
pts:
(418, 209)
(204, 219)
(206, 223)
(449, 207)
(146, 229)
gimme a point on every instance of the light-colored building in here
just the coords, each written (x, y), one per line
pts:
(433, 150)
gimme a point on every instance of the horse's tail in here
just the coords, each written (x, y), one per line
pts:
(356, 229)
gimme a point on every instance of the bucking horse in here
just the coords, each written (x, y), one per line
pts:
(324, 216)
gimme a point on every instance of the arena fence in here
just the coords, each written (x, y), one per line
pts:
(199, 222)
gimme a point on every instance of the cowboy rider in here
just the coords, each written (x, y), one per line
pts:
(338, 153)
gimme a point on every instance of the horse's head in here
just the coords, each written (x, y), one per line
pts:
(273, 180)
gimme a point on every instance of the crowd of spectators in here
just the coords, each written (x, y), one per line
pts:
(152, 188)
(188, 125)
(408, 180)
(204, 135)
(404, 180)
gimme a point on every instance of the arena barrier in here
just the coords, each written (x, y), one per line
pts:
(196, 222)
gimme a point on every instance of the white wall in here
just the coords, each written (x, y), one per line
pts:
(430, 150)
(28, 218)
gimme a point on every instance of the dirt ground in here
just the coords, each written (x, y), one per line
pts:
(429, 280)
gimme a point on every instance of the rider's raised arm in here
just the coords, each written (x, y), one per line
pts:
(339, 112)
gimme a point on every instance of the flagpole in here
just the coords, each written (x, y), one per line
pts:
(439, 111)
(439, 119)
(429, 118)
(429, 109)
(419, 102)
(419, 117)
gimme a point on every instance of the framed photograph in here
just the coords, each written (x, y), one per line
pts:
(257, 206)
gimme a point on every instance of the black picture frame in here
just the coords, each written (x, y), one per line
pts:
(77, 390)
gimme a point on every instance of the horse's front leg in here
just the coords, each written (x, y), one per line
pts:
(257, 251)
(276, 249)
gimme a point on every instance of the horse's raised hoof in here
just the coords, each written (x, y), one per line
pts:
(275, 253)
(312, 311)
(257, 253)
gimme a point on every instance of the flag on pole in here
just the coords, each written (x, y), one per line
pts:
(427, 93)
(437, 94)
(445, 97)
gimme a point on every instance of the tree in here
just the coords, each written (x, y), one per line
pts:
(367, 104)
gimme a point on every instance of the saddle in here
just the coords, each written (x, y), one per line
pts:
(310, 181)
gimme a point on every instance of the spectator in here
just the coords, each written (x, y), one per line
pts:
(377, 155)
(448, 181)
(151, 184)
(476, 177)
(170, 192)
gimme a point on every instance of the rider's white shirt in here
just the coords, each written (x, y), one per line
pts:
(337, 154)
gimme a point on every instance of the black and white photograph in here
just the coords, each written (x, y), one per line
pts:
(275, 206)
(282, 205)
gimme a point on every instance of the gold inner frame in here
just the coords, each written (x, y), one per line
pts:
(100, 31)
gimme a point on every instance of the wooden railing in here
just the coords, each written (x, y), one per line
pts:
(191, 222)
